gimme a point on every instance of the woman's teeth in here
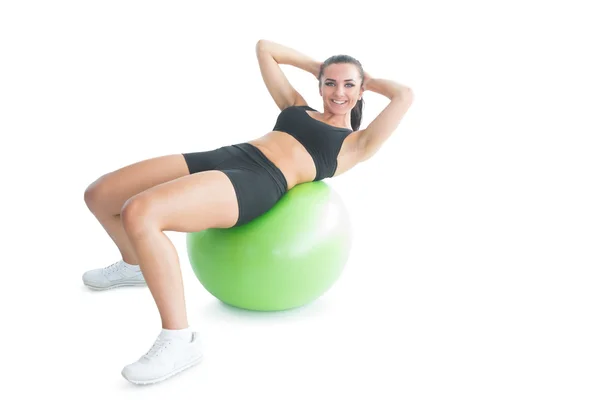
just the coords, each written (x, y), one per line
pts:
(338, 102)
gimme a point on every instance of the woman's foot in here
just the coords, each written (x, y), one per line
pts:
(115, 275)
(169, 355)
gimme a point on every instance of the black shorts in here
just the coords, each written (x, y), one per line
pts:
(258, 183)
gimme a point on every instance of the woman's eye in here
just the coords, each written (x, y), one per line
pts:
(348, 84)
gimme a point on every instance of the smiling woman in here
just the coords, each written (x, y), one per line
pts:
(231, 186)
(342, 85)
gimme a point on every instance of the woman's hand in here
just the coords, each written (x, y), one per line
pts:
(366, 80)
(317, 69)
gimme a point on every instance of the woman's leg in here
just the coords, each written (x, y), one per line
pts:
(205, 199)
(105, 197)
(187, 204)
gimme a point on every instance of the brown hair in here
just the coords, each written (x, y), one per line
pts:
(357, 111)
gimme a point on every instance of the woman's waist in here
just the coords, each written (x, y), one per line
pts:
(288, 155)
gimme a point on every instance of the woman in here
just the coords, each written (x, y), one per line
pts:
(230, 186)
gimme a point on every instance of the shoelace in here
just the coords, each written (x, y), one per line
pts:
(113, 268)
(159, 345)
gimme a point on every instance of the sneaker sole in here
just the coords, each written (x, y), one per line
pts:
(115, 285)
(169, 375)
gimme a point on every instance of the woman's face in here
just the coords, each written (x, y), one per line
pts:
(340, 83)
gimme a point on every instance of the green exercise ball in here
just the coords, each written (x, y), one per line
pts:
(285, 258)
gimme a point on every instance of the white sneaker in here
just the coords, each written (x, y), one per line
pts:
(167, 357)
(115, 275)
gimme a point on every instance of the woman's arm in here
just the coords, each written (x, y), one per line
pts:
(270, 55)
(385, 87)
(286, 55)
(381, 128)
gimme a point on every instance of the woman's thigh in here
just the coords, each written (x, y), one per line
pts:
(108, 194)
(188, 204)
(238, 189)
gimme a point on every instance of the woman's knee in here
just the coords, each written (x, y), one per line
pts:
(136, 215)
(94, 194)
(105, 195)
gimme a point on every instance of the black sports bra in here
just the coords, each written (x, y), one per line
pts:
(322, 141)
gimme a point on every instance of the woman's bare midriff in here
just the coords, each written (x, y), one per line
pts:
(295, 162)
(288, 155)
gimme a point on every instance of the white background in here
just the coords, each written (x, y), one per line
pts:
(475, 267)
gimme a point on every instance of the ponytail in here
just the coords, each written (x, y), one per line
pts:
(356, 115)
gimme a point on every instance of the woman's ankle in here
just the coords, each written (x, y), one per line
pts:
(131, 264)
